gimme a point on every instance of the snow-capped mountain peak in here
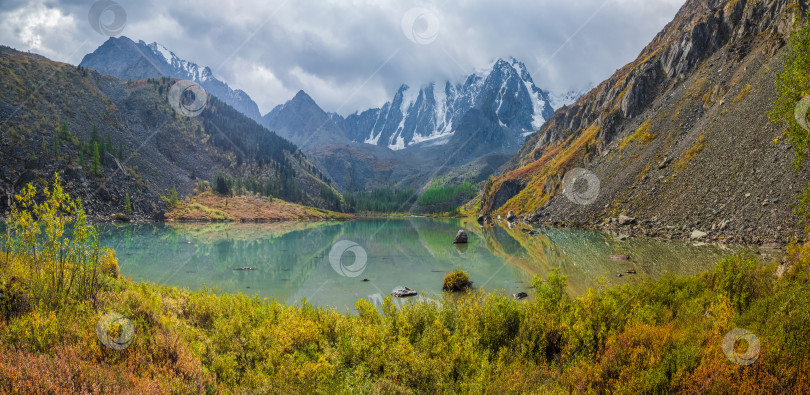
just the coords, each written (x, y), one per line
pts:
(190, 70)
(504, 92)
(124, 58)
(162, 51)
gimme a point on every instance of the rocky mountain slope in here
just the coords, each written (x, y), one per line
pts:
(461, 131)
(473, 152)
(679, 139)
(497, 107)
(304, 123)
(123, 58)
(504, 93)
(110, 138)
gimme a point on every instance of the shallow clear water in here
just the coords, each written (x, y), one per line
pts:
(292, 259)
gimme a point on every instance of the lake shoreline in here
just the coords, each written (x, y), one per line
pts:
(658, 231)
(635, 231)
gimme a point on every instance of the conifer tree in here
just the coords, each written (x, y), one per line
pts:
(96, 159)
(127, 205)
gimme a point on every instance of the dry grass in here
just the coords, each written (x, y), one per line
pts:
(691, 152)
(209, 206)
(744, 92)
(642, 136)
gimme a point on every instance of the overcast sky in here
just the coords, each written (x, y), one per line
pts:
(354, 54)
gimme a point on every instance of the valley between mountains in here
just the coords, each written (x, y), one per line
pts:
(680, 139)
(476, 232)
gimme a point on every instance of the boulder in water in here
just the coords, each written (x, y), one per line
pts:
(461, 237)
(403, 292)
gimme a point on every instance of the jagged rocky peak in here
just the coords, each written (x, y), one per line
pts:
(300, 103)
(559, 99)
(699, 29)
(191, 70)
(504, 92)
(304, 123)
(665, 127)
(123, 58)
(303, 97)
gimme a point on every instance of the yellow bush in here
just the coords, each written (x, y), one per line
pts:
(57, 266)
(642, 135)
(691, 152)
(743, 93)
(457, 280)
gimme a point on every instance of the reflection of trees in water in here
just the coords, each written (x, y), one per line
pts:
(284, 254)
(291, 257)
(224, 253)
(583, 255)
(287, 258)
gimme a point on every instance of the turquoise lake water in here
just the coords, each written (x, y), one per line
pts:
(326, 262)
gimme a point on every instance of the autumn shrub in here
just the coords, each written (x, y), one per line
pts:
(457, 280)
(51, 245)
(15, 297)
(646, 336)
(651, 336)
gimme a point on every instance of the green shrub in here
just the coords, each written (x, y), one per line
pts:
(734, 278)
(793, 84)
(127, 205)
(172, 200)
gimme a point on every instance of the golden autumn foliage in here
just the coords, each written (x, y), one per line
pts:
(649, 336)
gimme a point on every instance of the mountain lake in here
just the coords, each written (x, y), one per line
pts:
(335, 263)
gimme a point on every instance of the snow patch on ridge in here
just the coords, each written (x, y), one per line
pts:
(538, 104)
(162, 51)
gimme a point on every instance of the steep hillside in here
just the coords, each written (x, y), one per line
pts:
(679, 138)
(110, 138)
(124, 58)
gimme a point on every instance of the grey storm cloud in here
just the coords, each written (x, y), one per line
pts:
(354, 54)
